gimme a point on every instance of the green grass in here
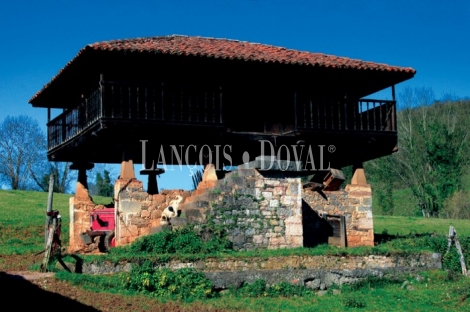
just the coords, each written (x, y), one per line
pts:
(405, 225)
(435, 291)
(23, 217)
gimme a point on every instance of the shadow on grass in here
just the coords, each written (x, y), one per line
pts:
(386, 237)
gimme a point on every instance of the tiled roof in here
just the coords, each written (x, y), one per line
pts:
(231, 50)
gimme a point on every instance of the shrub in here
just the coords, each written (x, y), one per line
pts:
(185, 240)
(165, 283)
(283, 289)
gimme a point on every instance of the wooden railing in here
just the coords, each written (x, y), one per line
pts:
(360, 115)
(160, 102)
(192, 106)
(149, 102)
(74, 121)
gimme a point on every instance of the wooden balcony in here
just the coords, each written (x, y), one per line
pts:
(210, 116)
(151, 103)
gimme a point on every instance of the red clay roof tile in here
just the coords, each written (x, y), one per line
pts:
(230, 49)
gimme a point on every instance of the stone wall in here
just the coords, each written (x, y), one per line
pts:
(258, 210)
(266, 209)
(317, 272)
(138, 212)
(354, 202)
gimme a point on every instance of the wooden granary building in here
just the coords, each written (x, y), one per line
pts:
(205, 92)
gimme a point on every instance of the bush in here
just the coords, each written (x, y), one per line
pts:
(283, 289)
(165, 283)
(184, 240)
(457, 206)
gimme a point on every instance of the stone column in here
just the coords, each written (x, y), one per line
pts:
(361, 230)
(124, 206)
(127, 166)
(80, 206)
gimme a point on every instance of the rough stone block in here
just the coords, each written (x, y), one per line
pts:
(129, 230)
(128, 206)
(159, 228)
(274, 203)
(267, 195)
(258, 239)
(277, 241)
(294, 189)
(247, 172)
(295, 241)
(287, 200)
(279, 190)
(294, 226)
(158, 199)
(145, 214)
(156, 214)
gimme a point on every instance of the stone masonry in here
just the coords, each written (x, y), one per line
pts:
(258, 210)
(354, 202)
(137, 211)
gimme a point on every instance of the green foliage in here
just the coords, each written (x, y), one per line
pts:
(433, 157)
(353, 301)
(184, 241)
(165, 283)
(104, 187)
(457, 206)
(283, 289)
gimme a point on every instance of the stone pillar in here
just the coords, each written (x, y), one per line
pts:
(361, 230)
(124, 206)
(80, 206)
(359, 176)
(293, 223)
(209, 179)
(127, 166)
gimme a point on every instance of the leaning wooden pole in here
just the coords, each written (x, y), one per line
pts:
(453, 238)
(50, 226)
(49, 207)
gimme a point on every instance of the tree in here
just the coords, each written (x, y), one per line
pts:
(22, 151)
(63, 177)
(104, 187)
(433, 150)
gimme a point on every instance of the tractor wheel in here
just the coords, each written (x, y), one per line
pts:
(109, 241)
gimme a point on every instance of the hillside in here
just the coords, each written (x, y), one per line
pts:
(430, 173)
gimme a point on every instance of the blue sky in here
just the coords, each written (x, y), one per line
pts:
(39, 37)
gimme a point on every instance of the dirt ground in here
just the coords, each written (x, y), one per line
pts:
(28, 289)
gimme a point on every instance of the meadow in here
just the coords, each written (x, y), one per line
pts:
(22, 219)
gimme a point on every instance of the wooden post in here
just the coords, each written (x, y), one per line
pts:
(49, 207)
(50, 238)
(453, 238)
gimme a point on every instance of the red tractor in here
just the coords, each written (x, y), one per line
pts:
(101, 232)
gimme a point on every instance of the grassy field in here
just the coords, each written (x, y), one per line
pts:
(22, 218)
(429, 291)
(406, 225)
